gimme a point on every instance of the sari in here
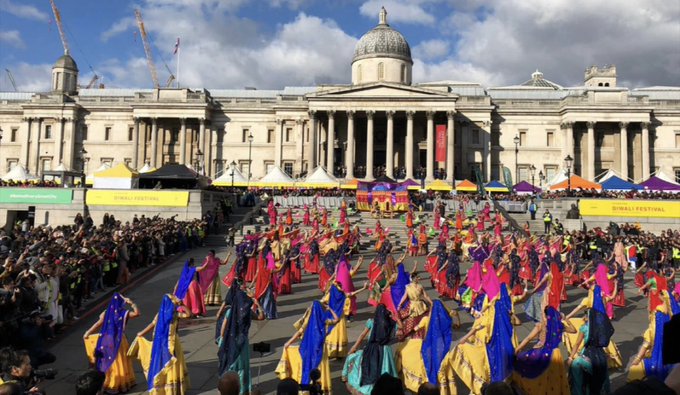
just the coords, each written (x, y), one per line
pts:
(207, 279)
(234, 350)
(163, 359)
(336, 338)
(652, 365)
(363, 368)
(108, 350)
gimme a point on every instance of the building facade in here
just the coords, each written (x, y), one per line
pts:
(381, 123)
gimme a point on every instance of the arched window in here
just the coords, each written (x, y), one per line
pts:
(600, 84)
(403, 73)
(359, 76)
(606, 84)
(381, 71)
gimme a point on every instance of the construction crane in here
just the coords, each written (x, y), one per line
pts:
(11, 79)
(147, 48)
(171, 77)
(62, 35)
(92, 82)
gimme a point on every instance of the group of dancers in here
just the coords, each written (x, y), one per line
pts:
(411, 335)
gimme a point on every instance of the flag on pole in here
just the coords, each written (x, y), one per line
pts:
(176, 47)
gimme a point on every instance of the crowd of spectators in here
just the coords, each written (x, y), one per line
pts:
(29, 183)
(48, 273)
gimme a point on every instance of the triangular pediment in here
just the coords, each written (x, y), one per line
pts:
(380, 90)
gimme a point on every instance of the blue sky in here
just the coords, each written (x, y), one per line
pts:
(277, 43)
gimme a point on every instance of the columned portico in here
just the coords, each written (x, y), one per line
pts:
(389, 160)
(349, 154)
(623, 126)
(645, 150)
(154, 142)
(183, 141)
(135, 144)
(330, 142)
(450, 145)
(590, 168)
(409, 144)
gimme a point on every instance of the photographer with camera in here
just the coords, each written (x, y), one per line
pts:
(17, 369)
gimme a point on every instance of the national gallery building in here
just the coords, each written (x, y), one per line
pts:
(379, 124)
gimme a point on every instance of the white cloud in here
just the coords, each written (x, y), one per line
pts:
(32, 77)
(13, 38)
(431, 49)
(118, 27)
(23, 11)
(398, 11)
(291, 4)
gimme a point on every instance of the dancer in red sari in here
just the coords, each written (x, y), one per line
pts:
(305, 217)
(289, 217)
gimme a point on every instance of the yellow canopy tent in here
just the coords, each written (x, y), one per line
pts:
(117, 177)
(439, 185)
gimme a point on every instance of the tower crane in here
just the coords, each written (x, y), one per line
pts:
(57, 19)
(147, 48)
(11, 79)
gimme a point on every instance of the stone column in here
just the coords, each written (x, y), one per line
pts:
(349, 153)
(369, 145)
(409, 144)
(389, 163)
(430, 146)
(58, 141)
(590, 173)
(207, 148)
(36, 147)
(27, 141)
(154, 142)
(487, 150)
(314, 154)
(568, 139)
(330, 143)
(624, 149)
(645, 150)
(299, 140)
(135, 144)
(450, 146)
(70, 135)
(278, 133)
(183, 141)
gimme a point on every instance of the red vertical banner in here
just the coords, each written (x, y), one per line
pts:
(440, 144)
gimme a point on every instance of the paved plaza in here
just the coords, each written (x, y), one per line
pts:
(201, 352)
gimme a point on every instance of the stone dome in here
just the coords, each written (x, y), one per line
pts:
(382, 42)
(66, 62)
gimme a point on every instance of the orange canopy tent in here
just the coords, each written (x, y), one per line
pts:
(576, 183)
(466, 186)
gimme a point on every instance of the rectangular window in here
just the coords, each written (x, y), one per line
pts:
(270, 136)
(107, 161)
(128, 162)
(46, 164)
(48, 132)
(219, 167)
(288, 168)
(677, 139)
(83, 132)
(131, 132)
(309, 131)
(676, 173)
(475, 136)
(13, 135)
(244, 135)
(107, 133)
(289, 132)
(550, 136)
(550, 172)
(11, 164)
(245, 168)
(522, 138)
(523, 173)
(268, 165)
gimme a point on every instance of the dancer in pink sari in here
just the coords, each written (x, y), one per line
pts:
(207, 277)
(602, 279)
(343, 276)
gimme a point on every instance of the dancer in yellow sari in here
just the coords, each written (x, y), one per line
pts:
(107, 350)
(162, 358)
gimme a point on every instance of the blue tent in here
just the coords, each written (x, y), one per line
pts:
(615, 183)
(496, 186)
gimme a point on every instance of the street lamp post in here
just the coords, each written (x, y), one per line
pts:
(532, 170)
(233, 166)
(199, 160)
(0, 136)
(541, 177)
(83, 158)
(250, 154)
(568, 161)
(516, 140)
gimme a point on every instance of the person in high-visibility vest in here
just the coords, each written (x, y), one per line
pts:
(547, 221)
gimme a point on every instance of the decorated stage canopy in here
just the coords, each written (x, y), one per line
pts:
(576, 183)
(525, 188)
(390, 196)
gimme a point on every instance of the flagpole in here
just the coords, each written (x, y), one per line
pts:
(178, 50)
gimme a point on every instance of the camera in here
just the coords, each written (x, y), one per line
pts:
(314, 387)
(45, 374)
(262, 347)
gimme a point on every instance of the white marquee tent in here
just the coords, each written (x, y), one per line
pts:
(226, 180)
(275, 178)
(18, 173)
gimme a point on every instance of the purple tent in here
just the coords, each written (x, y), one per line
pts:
(657, 184)
(524, 188)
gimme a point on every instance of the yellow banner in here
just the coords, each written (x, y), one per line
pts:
(137, 198)
(630, 208)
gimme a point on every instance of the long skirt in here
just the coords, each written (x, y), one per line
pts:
(552, 381)
(290, 365)
(213, 296)
(242, 367)
(295, 273)
(614, 359)
(312, 263)
(174, 379)
(193, 303)
(121, 376)
(251, 269)
(351, 372)
(324, 277)
(284, 283)
(471, 364)
(268, 303)
(336, 340)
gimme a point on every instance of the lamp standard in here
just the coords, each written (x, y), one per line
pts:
(0, 136)
(199, 161)
(516, 140)
(568, 161)
(250, 153)
(532, 170)
(541, 177)
(233, 166)
(83, 158)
